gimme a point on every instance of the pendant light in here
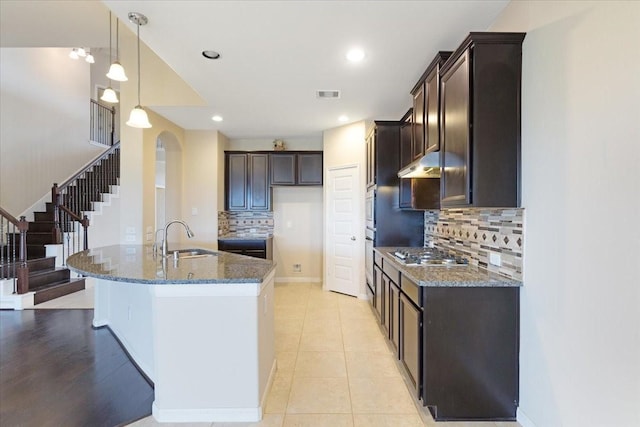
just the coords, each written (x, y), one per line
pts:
(109, 95)
(116, 71)
(138, 117)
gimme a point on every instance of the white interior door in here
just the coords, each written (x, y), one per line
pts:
(344, 231)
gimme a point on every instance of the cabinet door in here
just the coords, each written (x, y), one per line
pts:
(432, 114)
(371, 159)
(283, 169)
(418, 124)
(377, 281)
(236, 182)
(410, 335)
(259, 189)
(386, 301)
(406, 157)
(455, 190)
(309, 169)
(394, 315)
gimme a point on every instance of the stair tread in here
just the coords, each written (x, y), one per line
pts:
(58, 283)
(38, 273)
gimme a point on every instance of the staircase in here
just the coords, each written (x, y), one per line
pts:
(45, 279)
(63, 222)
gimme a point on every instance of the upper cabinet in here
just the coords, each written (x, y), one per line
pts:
(417, 143)
(296, 168)
(426, 109)
(480, 128)
(247, 182)
(432, 103)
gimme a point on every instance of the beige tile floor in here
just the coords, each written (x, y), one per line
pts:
(334, 366)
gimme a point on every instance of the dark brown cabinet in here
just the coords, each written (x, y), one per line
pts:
(296, 168)
(393, 226)
(410, 320)
(415, 193)
(370, 160)
(470, 352)
(247, 182)
(418, 121)
(432, 103)
(378, 304)
(258, 248)
(480, 128)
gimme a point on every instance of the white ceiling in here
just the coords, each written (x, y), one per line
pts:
(274, 54)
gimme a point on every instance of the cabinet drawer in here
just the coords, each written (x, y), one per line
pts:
(391, 272)
(411, 290)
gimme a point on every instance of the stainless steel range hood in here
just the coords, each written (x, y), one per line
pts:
(427, 166)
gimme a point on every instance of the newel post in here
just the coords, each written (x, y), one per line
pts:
(55, 198)
(22, 272)
(85, 226)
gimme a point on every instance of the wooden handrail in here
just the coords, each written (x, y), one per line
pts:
(12, 219)
(89, 165)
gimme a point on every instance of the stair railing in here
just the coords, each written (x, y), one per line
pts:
(14, 266)
(75, 196)
(103, 123)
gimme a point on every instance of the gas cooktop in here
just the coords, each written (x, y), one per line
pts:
(427, 257)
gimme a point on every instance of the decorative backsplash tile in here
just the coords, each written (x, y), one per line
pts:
(476, 233)
(243, 223)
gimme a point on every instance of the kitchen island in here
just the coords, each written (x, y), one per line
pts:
(198, 323)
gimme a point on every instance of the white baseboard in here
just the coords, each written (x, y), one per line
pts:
(298, 280)
(206, 415)
(523, 419)
(17, 301)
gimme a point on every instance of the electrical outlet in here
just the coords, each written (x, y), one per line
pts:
(297, 268)
(495, 259)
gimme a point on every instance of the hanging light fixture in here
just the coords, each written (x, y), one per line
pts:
(116, 71)
(138, 117)
(74, 53)
(109, 95)
(89, 58)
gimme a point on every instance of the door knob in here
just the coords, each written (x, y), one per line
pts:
(353, 238)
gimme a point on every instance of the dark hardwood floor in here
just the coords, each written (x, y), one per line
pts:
(56, 370)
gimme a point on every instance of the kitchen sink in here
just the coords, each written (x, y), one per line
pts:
(192, 253)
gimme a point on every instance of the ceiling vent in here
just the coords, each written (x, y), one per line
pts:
(328, 94)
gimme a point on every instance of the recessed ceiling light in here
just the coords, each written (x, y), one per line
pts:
(216, 118)
(343, 118)
(210, 54)
(355, 55)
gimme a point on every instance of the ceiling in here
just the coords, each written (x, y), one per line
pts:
(275, 55)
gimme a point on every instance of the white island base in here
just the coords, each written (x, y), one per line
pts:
(208, 348)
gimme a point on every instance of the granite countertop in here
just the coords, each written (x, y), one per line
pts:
(138, 264)
(247, 236)
(444, 276)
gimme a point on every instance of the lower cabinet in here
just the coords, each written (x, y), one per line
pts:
(377, 283)
(459, 345)
(258, 248)
(394, 315)
(411, 336)
(471, 348)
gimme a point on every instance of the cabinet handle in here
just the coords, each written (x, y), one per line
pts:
(353, 238)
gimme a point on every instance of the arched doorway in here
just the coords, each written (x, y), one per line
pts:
(168, 183)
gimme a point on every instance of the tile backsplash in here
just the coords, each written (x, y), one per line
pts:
(476, 233)
(243, 223)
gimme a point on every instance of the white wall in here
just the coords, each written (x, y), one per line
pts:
(44, 116)
(297, 234)
(200, 186)
(343, 146)
(580, 322)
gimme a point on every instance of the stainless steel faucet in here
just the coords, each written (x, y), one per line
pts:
(166, 228)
